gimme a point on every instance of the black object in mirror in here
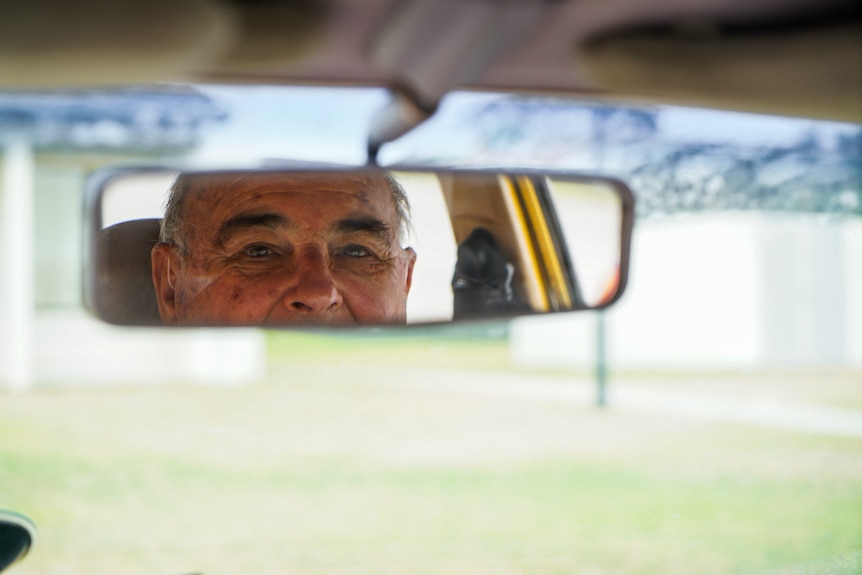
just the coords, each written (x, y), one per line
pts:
(342, 247)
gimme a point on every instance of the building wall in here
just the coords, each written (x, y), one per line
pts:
(802, 298)
(853, 291)
(722, 292)
(59, 235)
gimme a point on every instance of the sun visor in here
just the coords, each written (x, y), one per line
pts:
(51, 44)
(46, 43)
(811, 71)
(273, 35)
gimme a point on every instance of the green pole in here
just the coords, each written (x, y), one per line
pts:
(601, 362)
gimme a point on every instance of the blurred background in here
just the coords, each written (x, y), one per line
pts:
(731, 372)
(746, 249)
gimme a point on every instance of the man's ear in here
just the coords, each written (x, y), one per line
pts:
(164, 261)
(410, 254)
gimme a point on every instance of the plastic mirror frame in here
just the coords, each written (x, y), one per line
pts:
(98, 181)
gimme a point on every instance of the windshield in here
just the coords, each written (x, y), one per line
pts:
(710, 422)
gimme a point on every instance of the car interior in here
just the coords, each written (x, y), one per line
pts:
(798, 59)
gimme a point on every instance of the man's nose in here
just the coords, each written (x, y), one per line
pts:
(313, 290)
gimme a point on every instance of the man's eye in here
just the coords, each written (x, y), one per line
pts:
(258, 251)
(354, 251)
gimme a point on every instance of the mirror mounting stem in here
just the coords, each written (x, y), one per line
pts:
(477, 34)
(400, 115)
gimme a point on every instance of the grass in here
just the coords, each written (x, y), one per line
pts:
(349, 478)
(463, 351)
(414, 351)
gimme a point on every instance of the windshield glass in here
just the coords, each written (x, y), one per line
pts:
(709, 422)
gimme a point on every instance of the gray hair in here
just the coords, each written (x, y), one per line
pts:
(174, 230)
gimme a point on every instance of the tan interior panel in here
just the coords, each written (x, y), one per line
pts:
(479, 200)
(811, 72)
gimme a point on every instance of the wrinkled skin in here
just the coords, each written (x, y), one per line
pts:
(270, 249)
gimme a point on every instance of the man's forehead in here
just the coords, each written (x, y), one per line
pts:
(234, 191)
(359, 183)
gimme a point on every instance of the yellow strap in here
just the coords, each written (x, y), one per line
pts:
(547, 250)
(534, 281)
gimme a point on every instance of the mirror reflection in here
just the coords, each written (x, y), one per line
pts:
(347, 247)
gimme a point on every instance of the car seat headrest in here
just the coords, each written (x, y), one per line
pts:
(123, 290)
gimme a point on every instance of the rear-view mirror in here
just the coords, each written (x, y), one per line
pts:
(351, 246)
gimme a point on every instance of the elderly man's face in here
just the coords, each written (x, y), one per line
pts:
(269, 249)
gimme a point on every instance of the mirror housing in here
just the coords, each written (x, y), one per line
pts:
(503, 244)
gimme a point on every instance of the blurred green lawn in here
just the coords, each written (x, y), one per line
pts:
(292, 476)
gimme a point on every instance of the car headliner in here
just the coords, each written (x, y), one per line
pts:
(792, 57)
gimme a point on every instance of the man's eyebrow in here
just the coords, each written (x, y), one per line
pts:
(365, 224)
(250, 221)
